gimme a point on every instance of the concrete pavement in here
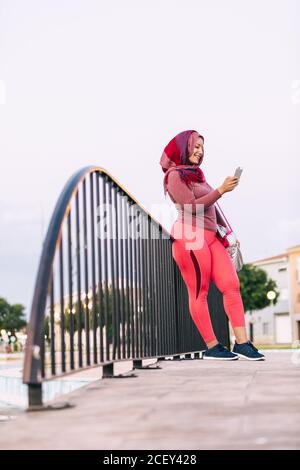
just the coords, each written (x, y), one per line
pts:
(188, 404)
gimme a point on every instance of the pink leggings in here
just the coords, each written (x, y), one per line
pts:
(198, 264)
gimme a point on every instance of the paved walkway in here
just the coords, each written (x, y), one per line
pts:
(188, 404)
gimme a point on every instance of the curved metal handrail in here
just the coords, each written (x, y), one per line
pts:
(35, 325)
(170, 276)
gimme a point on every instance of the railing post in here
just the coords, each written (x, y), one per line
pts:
(35, 396)
(177, 347)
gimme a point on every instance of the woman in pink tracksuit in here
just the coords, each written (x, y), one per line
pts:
(198, 252)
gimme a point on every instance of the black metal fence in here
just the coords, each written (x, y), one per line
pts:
(107, 287)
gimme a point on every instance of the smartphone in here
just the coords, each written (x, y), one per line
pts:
(238, 172)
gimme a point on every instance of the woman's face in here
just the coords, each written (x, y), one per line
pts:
(198, 154)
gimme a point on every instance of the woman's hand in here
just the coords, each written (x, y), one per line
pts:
(229, 184)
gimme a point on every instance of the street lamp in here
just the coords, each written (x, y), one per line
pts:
(271, 295)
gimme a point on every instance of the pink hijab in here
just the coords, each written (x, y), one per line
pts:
(175, 157)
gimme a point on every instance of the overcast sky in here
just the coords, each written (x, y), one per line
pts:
(110, 82)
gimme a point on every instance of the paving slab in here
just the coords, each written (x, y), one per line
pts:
(187, 404)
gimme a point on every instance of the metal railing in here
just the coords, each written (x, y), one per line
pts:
(107, 287)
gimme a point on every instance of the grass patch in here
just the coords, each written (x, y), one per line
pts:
(274, 346)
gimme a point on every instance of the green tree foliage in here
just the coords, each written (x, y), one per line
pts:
(255, 285)
(12, 317)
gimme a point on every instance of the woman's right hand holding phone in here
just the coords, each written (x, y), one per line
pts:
(229, 184)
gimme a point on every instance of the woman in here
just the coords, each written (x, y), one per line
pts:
(198, 252)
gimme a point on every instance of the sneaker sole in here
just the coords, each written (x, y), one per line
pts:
(220, 358)
(251, 358)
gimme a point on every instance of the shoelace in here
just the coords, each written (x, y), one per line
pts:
(252, 346)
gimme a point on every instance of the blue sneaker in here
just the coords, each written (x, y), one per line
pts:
(220, 353)
(247, 351)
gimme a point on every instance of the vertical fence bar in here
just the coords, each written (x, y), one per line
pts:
(62, 307)
(176, 305)
(112, 263)
(86, 278)
(70, 279)
(132, 277)
(99, 265)
(106, 250)
(52, 326)
(78, 262)
(143, 297)
(166, 297)
(94, 297)
(116, 256)
(172, 304)
(127, 270)
(43, 353)
(156, 288)
(170, 309)
(146, 285)
(151, 285)
(161, 296)
(179, 311)
(122, 303)
(139, 322)
(136, 287)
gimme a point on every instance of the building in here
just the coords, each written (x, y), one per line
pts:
(279, 323)
(273, 323)
(294, 294)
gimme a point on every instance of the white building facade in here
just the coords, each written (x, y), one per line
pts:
(273, 324)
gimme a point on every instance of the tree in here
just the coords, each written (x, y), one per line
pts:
(12, 317)
(255, 285)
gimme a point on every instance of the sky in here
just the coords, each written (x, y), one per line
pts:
(110, 82)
